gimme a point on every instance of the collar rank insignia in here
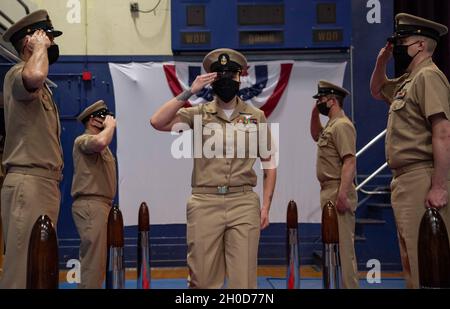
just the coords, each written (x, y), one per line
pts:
(400, 95)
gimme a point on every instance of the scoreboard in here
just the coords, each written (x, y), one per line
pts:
(260, 24)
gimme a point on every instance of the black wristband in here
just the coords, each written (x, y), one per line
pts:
(185, 95)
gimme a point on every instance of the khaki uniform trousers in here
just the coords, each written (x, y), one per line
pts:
(91, 220)
(223, 237)
(408, 194)
(24, 198)
(346, 223)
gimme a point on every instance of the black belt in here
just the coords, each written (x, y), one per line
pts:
(221, 189)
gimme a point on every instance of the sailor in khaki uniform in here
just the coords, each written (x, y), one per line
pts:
(32, 157)
(93, 189)
(418, 130)
(336, 165)
(223, 214)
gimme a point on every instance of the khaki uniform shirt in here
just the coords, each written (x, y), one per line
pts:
(235, 168)
(414, 97)
(337, 140)
(94, 172)
(32, 125)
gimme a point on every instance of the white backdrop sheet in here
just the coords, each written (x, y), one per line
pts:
(148, 172)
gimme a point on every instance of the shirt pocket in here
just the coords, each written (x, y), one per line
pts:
(323, 139)
(249, 134)
(213, 135)
(399, 100)
(397, 106)
(211, 128)
(399, 118)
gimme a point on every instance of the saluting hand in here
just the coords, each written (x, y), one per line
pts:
(38, 39)
(385, 54)
(315, 110)
(201, 81)
(437, 197)
(109, 122)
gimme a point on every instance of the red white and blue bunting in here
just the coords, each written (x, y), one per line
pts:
(262, 84)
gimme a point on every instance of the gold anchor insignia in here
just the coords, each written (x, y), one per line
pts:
(223, 60)
(400, 95)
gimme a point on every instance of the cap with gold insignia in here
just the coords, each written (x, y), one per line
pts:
(326, 88)
(28, 25)
(224, 59)
(98, 109)
(407, 24)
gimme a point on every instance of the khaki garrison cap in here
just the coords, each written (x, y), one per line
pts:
(325, 88)
(224, 59)
(97, 106)
(28, 25)
(406, 25)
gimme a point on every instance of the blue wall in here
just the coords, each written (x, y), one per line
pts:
(225, 29)
(370, 115)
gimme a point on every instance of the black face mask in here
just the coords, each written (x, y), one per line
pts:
(402, 59)
(52, 53)
(226, 89)
(323, 108)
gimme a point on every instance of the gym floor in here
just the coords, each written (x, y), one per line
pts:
(269, 277)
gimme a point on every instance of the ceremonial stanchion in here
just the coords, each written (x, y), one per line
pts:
(433, 251)
(293, 275)
(330, 257)
(42, 264)
(115, 269)
(143, 248)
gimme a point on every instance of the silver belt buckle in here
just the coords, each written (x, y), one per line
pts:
(222, 189)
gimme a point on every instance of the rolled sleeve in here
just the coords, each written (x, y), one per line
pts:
(19, 92)
(84, 142)
(345, 137)
(432, 94)
(187, 114)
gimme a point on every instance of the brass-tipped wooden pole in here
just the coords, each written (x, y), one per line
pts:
(330, 238)
(143, 247)
(293, 275)
(433, 251)
(115, 269)
(42, 265)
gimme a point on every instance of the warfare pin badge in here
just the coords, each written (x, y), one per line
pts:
(223, 59)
